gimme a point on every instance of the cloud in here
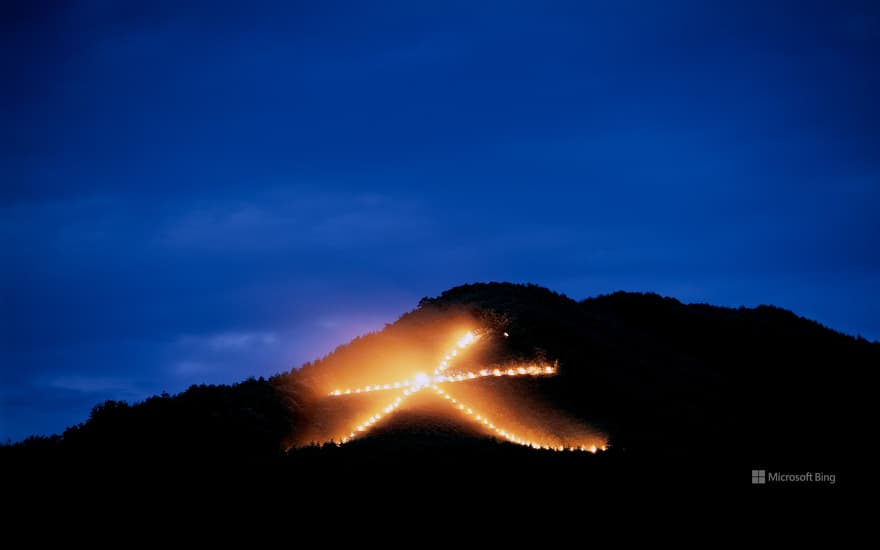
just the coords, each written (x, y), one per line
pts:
(228, 341)
(93, 384)
(187, 368)
(292, 219)
(241, 340)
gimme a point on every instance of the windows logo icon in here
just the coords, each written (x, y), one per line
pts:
(759, 477)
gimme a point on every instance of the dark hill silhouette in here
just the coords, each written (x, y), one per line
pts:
(678, 388)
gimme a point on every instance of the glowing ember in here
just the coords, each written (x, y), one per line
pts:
(466, 340)
(421, 380)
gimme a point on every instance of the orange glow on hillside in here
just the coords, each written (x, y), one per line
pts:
(510, 418)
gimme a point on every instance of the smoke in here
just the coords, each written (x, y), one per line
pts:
(445, 363)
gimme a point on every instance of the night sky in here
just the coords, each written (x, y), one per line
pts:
(208, 192)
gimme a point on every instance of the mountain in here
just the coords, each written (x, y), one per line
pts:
(678, 391)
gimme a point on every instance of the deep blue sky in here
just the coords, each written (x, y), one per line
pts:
(201, 194)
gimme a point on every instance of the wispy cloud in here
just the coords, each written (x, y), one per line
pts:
(93, 384)
(230, 341)
(241, 340)
(279, 220)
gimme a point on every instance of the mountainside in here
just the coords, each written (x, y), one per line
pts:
(664, 383)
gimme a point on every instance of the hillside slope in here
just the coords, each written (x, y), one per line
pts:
(667, 382)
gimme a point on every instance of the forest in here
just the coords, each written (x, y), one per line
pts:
(715, 390)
